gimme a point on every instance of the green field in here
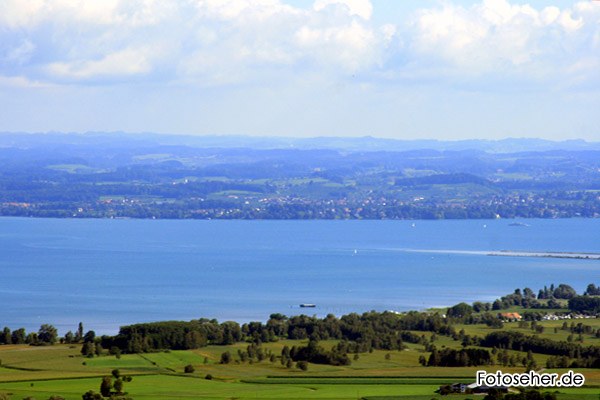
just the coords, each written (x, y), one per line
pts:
(41, 372)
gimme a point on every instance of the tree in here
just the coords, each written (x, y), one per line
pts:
(285, 352)
(115, 351)
(188, 369)
(106, 386)
(32, 338)
(19, 336)
(88, 349)
(118, 386)
(478, 306)
(460, 310)
(225, 358)
(434, 358)
(98, 349)
(69, 337)
(79, 334)
(564, 292)
(6, 337)
(497, 305)
(47, 334)
(91, 395)
(592, 290)
(302, 365)
(90, 336)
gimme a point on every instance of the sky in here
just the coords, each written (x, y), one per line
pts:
(444, 69)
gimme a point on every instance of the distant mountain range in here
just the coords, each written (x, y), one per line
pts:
(354, 144)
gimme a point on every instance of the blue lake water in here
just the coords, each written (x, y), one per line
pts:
(108, 273)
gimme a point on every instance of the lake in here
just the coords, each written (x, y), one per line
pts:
(108, 273)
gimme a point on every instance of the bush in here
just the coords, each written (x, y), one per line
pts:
(188, 369)
(302, 365)
(208, 377)
(225, 357)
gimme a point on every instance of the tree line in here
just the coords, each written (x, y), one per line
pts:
(549, 298)
(370, 330)
(46, 335)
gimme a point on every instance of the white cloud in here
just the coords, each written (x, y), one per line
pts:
(22, 82)
(17, 14)
(242, 9)
(497, 37)
(354, 45)
(361, 8)
(29, 14)
(217, 42)
(21, 53)
(125, 62)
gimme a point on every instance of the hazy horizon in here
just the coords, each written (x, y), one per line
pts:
(441, 70)
(293, 138)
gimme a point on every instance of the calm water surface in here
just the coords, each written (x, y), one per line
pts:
(108, 273)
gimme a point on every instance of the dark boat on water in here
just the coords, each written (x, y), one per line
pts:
(307, 305)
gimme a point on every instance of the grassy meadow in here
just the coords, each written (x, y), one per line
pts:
(40, 372)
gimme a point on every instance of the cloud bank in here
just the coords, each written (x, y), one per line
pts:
(218, 42)
(485, 68)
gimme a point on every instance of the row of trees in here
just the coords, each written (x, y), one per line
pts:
(478, 312)
(367, 331)
(318, 355)
(512, 340)
(46, 335)
(585, 304)
(458, 358)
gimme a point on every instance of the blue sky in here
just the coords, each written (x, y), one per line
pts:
(402, 69)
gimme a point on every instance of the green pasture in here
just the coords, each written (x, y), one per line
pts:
(552, 330)
(40, 372)
(163, 387)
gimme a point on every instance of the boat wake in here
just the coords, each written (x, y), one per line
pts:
(512, 253)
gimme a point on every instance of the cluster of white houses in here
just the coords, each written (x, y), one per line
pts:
(514, 316)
